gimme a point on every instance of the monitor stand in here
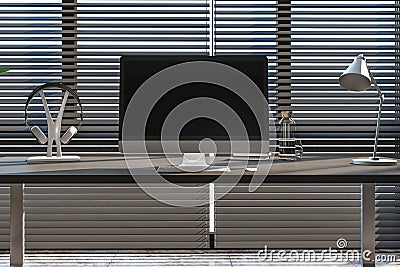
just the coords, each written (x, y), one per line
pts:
(192, 161)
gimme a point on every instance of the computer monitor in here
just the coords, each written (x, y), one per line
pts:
(200, 89)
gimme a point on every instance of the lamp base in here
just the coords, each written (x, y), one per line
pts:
(375, 161)
(45, 159)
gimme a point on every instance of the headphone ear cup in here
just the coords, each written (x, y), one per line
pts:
(40, 136)
(71, 132)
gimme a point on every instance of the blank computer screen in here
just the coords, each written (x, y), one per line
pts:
(135, 70)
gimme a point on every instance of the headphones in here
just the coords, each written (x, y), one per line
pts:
(36, 131)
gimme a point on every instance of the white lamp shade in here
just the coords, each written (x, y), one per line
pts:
(356, 77)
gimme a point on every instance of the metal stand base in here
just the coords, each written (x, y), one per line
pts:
(375, 161)
(44, 159)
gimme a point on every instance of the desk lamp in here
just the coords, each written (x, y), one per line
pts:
(357, 77)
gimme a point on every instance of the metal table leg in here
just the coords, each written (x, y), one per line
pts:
(211, 230)
(17, 225)
(368, 223)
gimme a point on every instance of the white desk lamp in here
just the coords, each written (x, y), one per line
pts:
(358, 77)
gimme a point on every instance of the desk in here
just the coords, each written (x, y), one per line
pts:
(113, 169)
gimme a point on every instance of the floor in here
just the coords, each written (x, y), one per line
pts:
(157, 258)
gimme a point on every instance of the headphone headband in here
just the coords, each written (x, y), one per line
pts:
(54, 85)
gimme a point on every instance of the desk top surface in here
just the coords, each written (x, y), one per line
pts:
(113, 169)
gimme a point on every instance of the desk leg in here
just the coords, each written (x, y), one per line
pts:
(17, 225)
(211, 230)
(368, 223)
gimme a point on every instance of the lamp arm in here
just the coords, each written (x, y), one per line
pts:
(378, 122)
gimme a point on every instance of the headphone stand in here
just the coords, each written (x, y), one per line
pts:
(54, 132)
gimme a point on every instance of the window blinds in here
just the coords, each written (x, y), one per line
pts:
(30, 44)
(249, 28)
(80, 42)
(109, 216)
(387, 203)
(325, 38)
(107, 30)
(308, 43)
(288, 216)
